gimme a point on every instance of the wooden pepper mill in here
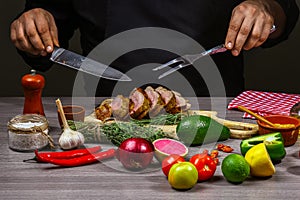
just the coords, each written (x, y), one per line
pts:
(33, 85)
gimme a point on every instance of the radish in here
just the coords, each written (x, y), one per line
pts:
(165, 147)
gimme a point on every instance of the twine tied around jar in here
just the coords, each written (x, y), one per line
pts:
(30, 124)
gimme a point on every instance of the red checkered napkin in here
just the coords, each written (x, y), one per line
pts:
(265, 103)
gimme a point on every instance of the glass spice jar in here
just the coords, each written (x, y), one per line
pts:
(28, 132)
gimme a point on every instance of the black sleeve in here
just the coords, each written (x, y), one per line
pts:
(66, 24)
(291, 11)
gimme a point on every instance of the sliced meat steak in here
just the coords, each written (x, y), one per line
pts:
(139, 104)
(181, 103)
(120, 107)
(168, 98)
(157, 103)
(142, 103)
(104, 110)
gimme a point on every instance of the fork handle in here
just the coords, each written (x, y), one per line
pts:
(217, 49)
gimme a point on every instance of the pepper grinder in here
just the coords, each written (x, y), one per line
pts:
(33, 85)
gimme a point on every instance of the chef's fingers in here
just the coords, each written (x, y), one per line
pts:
(33, 33)
(23, 32)
(48, 31)
(242, 36)
(43, 29)
(53, 31)
(264, 35)
(258, 35)
(20, 39)
(234, 27)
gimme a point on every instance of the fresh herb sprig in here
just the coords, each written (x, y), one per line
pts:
(116, 132)
(166, 119)
(120, 131)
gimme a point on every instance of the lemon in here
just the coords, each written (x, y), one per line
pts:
(235, 168)
(260, 162)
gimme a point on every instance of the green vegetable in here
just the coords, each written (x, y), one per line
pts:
(198, 129)
(274, 144)
(116, 132)
(167, 119)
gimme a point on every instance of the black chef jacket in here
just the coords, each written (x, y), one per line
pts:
(205, 21)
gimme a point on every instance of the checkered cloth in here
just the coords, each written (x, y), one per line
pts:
(265, 103)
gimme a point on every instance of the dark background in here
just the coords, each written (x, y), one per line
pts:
(276, 69)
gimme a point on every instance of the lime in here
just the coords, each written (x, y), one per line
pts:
(183, 175)
(259, 160)
(235, 168)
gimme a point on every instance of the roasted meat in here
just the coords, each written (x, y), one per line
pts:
(139, 104)
(104, 110)
(181, 103)
(142, 103)
(157, 103)
(168, 98)
(120, 107)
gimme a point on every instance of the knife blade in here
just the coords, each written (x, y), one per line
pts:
(75, 61)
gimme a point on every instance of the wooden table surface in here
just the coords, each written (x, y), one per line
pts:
(107, 180)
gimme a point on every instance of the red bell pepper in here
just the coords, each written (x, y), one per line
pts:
(205, 165)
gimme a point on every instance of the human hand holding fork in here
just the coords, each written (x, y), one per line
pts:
(187, 60)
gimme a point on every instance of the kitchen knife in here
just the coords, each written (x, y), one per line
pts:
(87, 65)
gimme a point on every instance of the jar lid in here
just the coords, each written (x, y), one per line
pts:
(28, 123)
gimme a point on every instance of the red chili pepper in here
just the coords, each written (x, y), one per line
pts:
(205, 165)
(216, 160)
(78, 161)
(205, 152)
(69, 154)
(214, 153)
(227, 149)
(224, 148)
(220, 146)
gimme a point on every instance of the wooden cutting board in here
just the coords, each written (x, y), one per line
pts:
(238, 130)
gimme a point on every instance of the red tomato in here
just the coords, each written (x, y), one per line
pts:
(205, 165)
(169, 161)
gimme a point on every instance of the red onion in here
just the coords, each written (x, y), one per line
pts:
(135, 153)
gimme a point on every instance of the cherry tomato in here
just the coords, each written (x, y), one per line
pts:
(169, 161)
(183, 175)
(205, 165)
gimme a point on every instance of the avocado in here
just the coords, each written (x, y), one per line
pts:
(199, 129)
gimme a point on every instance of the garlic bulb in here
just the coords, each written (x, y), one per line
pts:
(70, 139)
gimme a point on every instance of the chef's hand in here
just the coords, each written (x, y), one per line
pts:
(251, 22)
(34, 32)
